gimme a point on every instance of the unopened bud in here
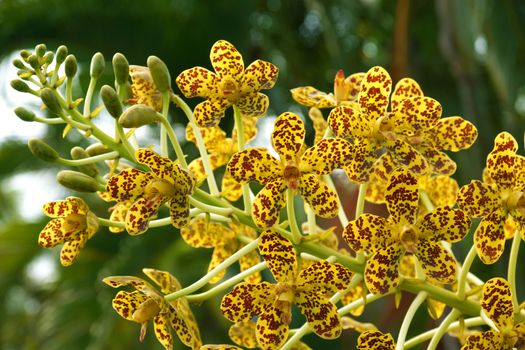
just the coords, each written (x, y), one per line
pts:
(33, 62)
(42, 150)
(159, 73)
(88, 169)
(50, 100)
(97, 149)
(48, 57)
(19, 64)
(61, 54)
(70, 66)
(77, 181)
(40, 50)
(137, 116)
(97, 65)
(19, 85)
(25, 54)
(111, 101)
(120, 68)
(25, 114)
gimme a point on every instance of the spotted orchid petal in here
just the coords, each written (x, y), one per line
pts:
(311, 97)
(368, 233)
(406, 155)
(352, 295)
(141, 212)
(253, 104)
(505, 143)
(249, 260)
(254, 164)
(502, 168)
(353, 85)
(243, 333)
(326, 155)
(162, 327)
(381, 272)
(375, 191)
(402, 196)
(250, 130)
(52, 235)
(165, 280)
(138, 283)
(143, 89)
(496, 301)
(160, 166)
(384, 166)
(365, 155)
(247, 300)
(288, 136)
(323, 200)
(201, 233)
(279, 254)
(452, 134)
(214, 137)
(375, 340)
(319, 124)
(221, 252)
(184, 324)
(414, 114)
(226, 60)
(118, 214)
(268, 203)
(478, 199)
(444, 224)
(231, 189)
(128, 184)
(259, 75)
(125, 303)
(71, 249)
(321, 314)
(220, 347)
(71, 205)
(442, 190)
(271, 332)
(374, 94)
(197, 171)
(436, 261)
(323, 278)
(197, 81)
(405, 88)
(180, 209)
(485, 341)
(489, 237)
(439, 161)
(349, 122)
(209, 113)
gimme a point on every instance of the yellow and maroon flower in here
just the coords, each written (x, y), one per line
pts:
(345, 92)
(295, 170)
(375, 340)
(166, 183)
(203, 233)
(498, 200)
(230, 85)
(146, 304)
(143, 89)
(387, 241)
(309, 290)
(496, 302)
(73, 225)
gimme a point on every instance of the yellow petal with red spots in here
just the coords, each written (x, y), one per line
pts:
(213, 137)
(326, 155)
(231, 189)
(52, 235)
(185, 325)
(496, 301)
(402, 196)
(197, 81)
(143, 89)
(259, 75)
(160, 166)
(485, 341)
(288, 136)
(318, 123)
(365, 155)
(436, 261)
(505, 143)
(374, 94)
(478, 199)
(141, 212)
(375, 191)
(349, 122)
(219, 347)
(381, 272)
(247, 300)
(353, 85)
(489, 237)
(196, 169)
(440, 163)
(71, 205)
(368, 233)
(502, 167)
(250, 130)
(323, 278)
(442, 190)
(201, 233)
(118, 214)
(444, 224)
(352, 295)
(165, 280)
(120, 281)
(405, 88)
(406, 155)
(279, 254)
(311, 97)
(268, 203)
(253, 104)
(180, 210)
(384, 166)
(375, 340)
(209, 112)
(128, 184)
(125, 303)
(415, 113)
(254, 164)
(72, 248)
(452, 134)
(226, 60)
(321, 314)
(271, 331)
(249, 260)
(322, 199)
(221, 252)
(243, 333)
(162, 327)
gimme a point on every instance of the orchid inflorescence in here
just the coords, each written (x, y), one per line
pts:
(389, 139)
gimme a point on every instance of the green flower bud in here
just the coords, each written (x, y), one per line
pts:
(48, 57)
(88, 169)
(77, 181)
(61, 54)
(110, 98)
(42, 150)
(19, 64)
(137, 116)
(50, 100)
(120, 68)
(25, 54)
(70, 66)
(40, 50)
(159, 73)
(97, 149)
(97, 65)
(20, 85)
(33, 62)
(25, 114)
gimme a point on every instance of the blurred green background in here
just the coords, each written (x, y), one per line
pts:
(466, 54)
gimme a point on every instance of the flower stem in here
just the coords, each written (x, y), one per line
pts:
(219, 268)
(511, 273)
(426, 200)
(296, 234)
(239, 126)
(89, 97)
(165, 126)
(343, 219)
(443, 328)
(210, 208)
(462, 281)
(89, 160)
(360, 204)
(420, 298)
(174, 142)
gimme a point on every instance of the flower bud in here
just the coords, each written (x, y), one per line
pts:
(33, 62)
(25, 114)
(25, 54)
(97, 149)
(50, 100)
(42, 150)
(61, 54)
(77, 181)
(48, 57)
(40, 50)
(97, 65)
(137, 116)
(70, 66)
(88, 169)
(19, 64)
(120, 68)
(111, 101)
(159, 73)
(19, 85)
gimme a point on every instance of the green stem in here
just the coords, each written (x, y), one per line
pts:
(420, 299)
(226, 284)
(299, 333)
(174, 142)
(50, 121)
(511, 273)
(360, 204)
(310, 217)
(359, 302)
(343, 219)
(296, 234)
(165, 126)
(210, 208)
(211, 274)
(89, 97)
(111, 223)
(89, 160)
(462, 281)
(426, 200)
(69, 92)
(443, 328)
(239, 125)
